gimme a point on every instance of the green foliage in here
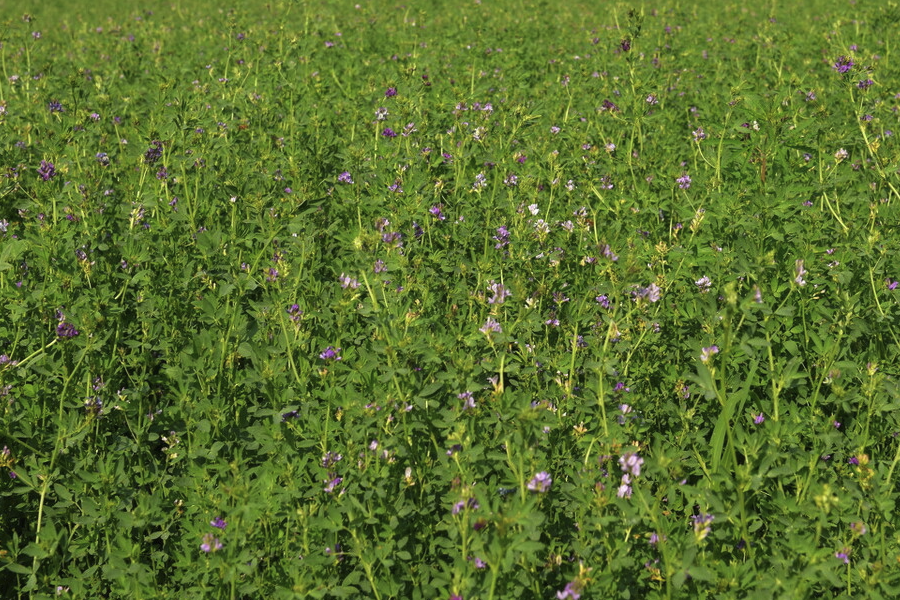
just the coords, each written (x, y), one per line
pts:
(517, 300)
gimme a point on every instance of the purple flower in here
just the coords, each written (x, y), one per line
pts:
(608, 253)
(502, 237)
(843, 555)
(219, 523)
(210, 543)
(631, 464)
(345, 178)
(55, 107)
(154, 152)
(66, 330)
(47, 170)
(330, 353)
(393, 238)
(843, 64)
(540, 483)
(759, 419)
(390, 92)
(799, 272)
(702, 525)
(471, 504)
(865, 84)
(348, 282)
(333, 483)
(331, 458)
(625, 45)
(468, 400)
(703, 284)
(388, 133)
(480, 182)
(684, 182)
(651, 293)
(707, 353)
(294, 312)
(610, 106)
(490, 326)
(572, 590)
(437, 213)
(500, 293)
(379, 266)
(93, 406)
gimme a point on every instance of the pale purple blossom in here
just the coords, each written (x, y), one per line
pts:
(499, 291)
(540, 482)
(799, 272)
(210, 543)
(631, 463)
(468, 400)
(490, 326)
(348, 282)
(625, 490)
(332, 484)
(702, 526)
(571, 591)
(502, 237)
(707, 353)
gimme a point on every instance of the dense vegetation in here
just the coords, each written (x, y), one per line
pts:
(508, 300)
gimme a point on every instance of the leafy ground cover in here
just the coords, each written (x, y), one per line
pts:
(513, 300)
